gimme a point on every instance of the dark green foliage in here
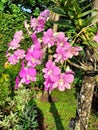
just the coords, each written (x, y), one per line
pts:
(28, 118)
(40, 78)
(34, 5)
(72, 14)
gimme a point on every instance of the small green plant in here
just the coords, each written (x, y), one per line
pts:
(28, 118)
(19, 112)
(4, 88)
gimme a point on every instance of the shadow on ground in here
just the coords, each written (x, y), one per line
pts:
(54, 111)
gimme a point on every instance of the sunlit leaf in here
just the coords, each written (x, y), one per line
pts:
(91, 29)
(94, 44)
(1, 6)
(85, 13)
(4, 1)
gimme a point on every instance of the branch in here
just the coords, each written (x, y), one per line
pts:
(84, 68)
(76, 65)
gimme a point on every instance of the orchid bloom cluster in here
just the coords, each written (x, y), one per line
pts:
(14, 45)
(38, 24)
(53, 75)
(55, 79)
(64, 50)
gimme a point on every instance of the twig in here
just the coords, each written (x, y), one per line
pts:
(84, 68)
(76, 65)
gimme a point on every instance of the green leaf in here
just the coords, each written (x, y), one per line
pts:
(56, 2)
(91, 29)
(86, 43)
(4, 1)
(88, 20)
(62, 22)
(1, 6)
(58, 11)
(77, 9)
(85, 13)
(97, 25)
(68, 4)
(94, 44)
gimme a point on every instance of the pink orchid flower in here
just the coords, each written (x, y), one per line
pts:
(48, 85)
(27, 75)
(48, 38)
(74, 51)
(45, 14)
(60, 55)
(18, 35)
(14, 44)
(20, 54)
(51, 71)
(64, 81)
(37, 24)
(13, 59)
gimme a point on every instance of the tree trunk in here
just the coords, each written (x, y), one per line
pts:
(95, 6)
(84, 102)
(54, 17)
(55, 26)
(88, 83)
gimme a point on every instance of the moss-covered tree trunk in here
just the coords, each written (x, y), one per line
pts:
(84, 102)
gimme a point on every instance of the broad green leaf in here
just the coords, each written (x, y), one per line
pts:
(58, 11)
(62, 22)
(85, 13)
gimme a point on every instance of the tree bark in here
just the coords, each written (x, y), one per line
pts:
(54, 17)
(55, 26)
(84, 102)
(95, 6)
(88, 83)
